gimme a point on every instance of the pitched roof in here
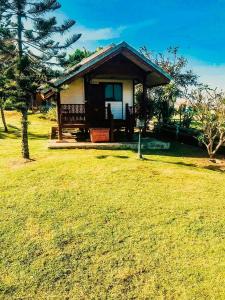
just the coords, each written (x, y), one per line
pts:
(89, 63)
(89, 58)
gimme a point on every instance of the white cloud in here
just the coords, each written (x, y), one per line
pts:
(108, 33)
(99, 34)
(211, 74)
(93, 34)
(93, 37)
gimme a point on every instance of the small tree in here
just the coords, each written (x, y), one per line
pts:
(209, 106)
(145, 107)
(36, 49)
(165, 96)
(77, 56)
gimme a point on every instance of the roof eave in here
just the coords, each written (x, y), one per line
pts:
(114, 50)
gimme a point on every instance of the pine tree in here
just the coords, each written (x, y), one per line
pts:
(3, 83)
(28, 35)
(6, 51)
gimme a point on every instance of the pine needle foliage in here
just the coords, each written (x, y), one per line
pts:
(30, 38)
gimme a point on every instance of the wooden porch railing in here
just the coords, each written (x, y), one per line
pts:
(76, 116)
(75, 113)
(72, 113)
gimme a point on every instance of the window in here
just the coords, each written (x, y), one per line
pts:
(113, 92)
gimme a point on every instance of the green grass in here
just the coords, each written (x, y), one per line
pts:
(95, 224)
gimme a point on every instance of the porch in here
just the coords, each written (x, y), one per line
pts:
(72, 116)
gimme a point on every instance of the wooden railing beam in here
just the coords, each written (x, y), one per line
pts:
(111, 122)
(57, 99)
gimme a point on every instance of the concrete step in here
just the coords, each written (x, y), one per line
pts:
(69, 144)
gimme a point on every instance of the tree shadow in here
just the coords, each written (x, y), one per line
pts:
(179, 150)
(217, 168)
(116, 156)
(36, 136)
(185, 164)
(180, 163)
(14, 132)
(214, 168)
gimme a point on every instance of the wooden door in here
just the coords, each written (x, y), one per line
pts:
(95, 105)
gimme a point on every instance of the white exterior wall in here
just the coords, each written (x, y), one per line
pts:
(74, 93)
(119, 108)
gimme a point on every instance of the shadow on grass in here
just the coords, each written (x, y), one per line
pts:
(180, 163)
(14, 132)
(217, 168)
(117, 156)
(179, 150)
(35, 136)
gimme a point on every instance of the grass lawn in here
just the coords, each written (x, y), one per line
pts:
(95, 224)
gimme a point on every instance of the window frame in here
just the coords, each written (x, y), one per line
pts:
(113, 84)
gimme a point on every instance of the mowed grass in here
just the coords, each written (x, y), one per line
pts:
(95, 224)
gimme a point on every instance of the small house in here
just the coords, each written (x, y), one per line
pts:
(98, 92)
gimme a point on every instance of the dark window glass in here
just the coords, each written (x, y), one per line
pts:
(113, 92)
(117, 92)
(108, 92)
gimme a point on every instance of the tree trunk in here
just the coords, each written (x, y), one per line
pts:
(24, 123)
(19, 32)
(221, 141)
(3, 119)
(211, 153)
(210, 150)
(24, 110)
(211, 156)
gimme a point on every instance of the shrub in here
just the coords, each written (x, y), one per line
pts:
(51, 114)
(9, 105)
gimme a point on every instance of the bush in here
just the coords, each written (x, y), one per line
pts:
(9, 105)
(51, 114)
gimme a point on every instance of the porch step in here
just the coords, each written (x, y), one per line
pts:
(68, 144)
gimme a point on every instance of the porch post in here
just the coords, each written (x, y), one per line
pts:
(86, 99)
(111, 123)
(58, 102)
(144, 103)
(144, 96)
(128, 123)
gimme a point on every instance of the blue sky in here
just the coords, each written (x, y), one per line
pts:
(197, 27)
